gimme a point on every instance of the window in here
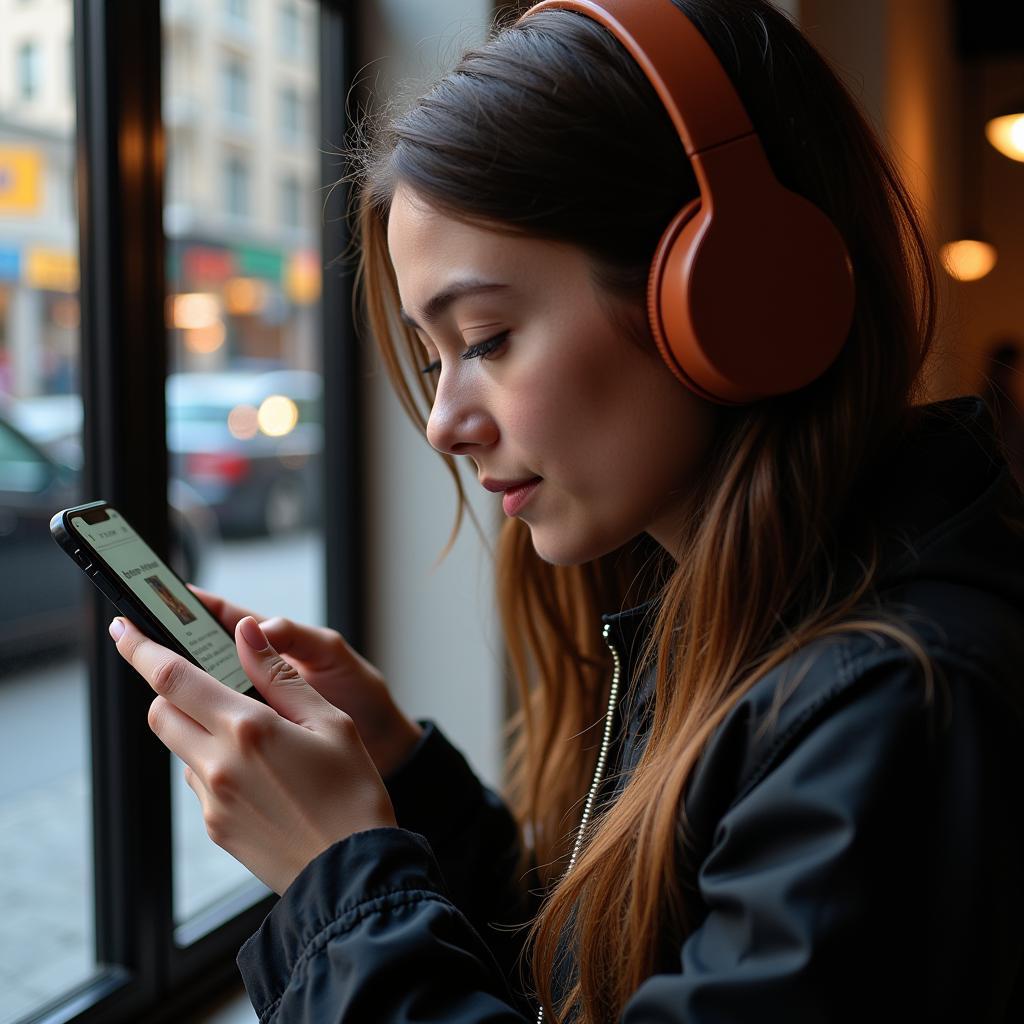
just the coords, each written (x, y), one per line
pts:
(290, 31)
(244, 311)
(236, 88)
(236, 187)
(47, 931)
(115, 903)
(30, 70)
(291, 114)
(291, 201)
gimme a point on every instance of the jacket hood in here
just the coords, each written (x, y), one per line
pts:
(943, 502)
(942, 498)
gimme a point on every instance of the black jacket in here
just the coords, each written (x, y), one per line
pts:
(863, 859)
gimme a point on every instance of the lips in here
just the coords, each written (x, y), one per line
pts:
(515, 498)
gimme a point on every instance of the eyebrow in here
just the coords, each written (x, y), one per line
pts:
(434, 308)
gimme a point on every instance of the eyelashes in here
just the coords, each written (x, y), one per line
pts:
(473, 352)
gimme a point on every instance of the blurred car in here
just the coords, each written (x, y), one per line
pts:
(40, 601)
(251, 444)
(53, 421)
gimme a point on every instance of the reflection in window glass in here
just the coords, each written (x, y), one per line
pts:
(47, 935)
(244, 396)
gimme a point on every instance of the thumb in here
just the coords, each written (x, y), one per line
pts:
(282, 686)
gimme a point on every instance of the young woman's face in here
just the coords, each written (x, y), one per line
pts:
(564, 395)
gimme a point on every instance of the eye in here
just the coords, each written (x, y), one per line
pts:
(473, 352)
(485, 347)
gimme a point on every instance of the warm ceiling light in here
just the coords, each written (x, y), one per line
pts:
(968, 259)
(1006, 133)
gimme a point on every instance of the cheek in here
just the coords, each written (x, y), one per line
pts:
(552, 407)
(647, 434)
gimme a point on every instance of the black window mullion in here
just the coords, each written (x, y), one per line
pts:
(123, 369)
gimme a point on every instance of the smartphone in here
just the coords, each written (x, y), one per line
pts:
(131, 575)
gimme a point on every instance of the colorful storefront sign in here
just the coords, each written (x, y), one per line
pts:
(21, 174)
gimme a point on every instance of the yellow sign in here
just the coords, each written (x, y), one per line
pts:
(20, 177)
(51, 270)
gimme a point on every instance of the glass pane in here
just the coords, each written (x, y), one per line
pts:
(46, 876)
(244, 396)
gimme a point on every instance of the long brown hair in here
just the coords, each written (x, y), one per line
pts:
(550, 129)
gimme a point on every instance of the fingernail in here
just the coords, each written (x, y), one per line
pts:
(116, 628)
(254, 636)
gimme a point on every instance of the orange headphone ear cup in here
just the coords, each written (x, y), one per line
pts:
(688, 221)
(750, 294)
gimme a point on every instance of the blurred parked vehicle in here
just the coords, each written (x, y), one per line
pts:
(53, 421)
(251, 444)
(41, 589)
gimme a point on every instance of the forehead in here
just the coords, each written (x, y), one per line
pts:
(429, 248)
(416, 230)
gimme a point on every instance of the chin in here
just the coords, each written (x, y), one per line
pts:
(569, 550)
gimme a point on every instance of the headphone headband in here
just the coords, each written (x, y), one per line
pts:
(751, 290)
(692, 85)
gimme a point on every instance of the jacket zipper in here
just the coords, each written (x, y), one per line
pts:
(613, 698)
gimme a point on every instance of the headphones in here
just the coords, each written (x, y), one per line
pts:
(750, 291)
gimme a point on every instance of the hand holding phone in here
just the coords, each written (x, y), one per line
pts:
(278, 784)
(338, 673)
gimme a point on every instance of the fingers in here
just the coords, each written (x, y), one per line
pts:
(184, 685)
(317, 647)
(278, 681)
(228, 614)
(194, 783)
(178, 732)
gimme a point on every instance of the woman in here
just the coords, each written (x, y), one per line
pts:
(765, 615)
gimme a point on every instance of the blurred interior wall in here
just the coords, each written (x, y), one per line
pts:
(433, 634)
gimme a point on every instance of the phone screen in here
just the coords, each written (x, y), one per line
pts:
(166, 597)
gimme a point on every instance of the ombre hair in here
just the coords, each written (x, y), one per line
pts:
(550, 130)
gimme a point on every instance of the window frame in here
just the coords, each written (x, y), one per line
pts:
(143, 975)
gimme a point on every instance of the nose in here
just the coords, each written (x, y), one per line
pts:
(458, 423)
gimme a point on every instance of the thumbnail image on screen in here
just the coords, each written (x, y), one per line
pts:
(178, 607)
